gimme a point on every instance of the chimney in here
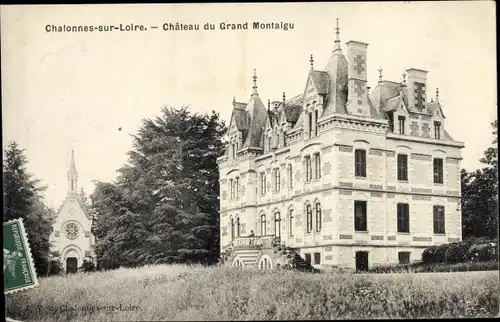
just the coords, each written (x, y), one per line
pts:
(417, 83)
(357, 81)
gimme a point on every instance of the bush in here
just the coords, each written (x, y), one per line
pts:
(483, 252)
(457, 252)
(435, 254)
(88, 266)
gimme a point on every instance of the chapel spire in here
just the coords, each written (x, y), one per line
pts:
(72, 176)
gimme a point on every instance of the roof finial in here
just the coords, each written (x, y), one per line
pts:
(337, 32)
(380, 74)
(437, 95)
(268, 104)
(311, 60)
(404, 79)
(284, 98)
(337, 38)
(254, 91)
(234, 100)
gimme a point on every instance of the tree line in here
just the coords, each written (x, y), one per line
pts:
(164, 205)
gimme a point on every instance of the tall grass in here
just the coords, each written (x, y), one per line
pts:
(202, 293)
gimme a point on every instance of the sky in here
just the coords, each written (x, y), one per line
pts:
(64, 90)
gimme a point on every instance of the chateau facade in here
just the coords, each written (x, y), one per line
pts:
(71, 236)
(351, 177)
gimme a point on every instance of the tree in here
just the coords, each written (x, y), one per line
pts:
(23, 199)
(166, 197)
(480, 195)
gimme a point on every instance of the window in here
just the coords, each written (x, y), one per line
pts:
(317, 166)
(402, 167)
(277, 180)
(263, 183)
(232, 228)
(401, 122)
(238, 231)
(404, 257)
(308, 168)
(277, 224)
(360, 223)
(232, 188)
(360, 163)
(316, 122)
(292, 222)
(403, 218)
(438, 170)
(317, 258)
(290, 176)
(269, 144)
(237, 187)
(308, 257)
(72, 185)
(72, 230)
(309, 217)
(263, 225)
(437, 130)
(276, 140)
(438, 219)
(310, 123)
(318, 216)
(234, 150)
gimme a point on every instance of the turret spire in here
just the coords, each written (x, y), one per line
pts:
(254, 88)
(336, 47)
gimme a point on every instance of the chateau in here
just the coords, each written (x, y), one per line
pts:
(71, 235)
(346, 175)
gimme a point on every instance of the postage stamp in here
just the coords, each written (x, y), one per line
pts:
(18, 270)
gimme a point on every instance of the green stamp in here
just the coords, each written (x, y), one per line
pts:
(18, 269)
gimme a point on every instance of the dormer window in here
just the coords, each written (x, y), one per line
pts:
(401, 122)
(437, 130)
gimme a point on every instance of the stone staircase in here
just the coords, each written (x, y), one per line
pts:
(249, 258)
(289, 258)
(247, 255)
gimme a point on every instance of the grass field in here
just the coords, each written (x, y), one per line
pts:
(202, 293)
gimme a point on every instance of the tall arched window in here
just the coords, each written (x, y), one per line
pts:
(318, 215)
(277, 224)
(291, 222)
(238, 231)
(232, 228)
(309, 217)
(263, 225)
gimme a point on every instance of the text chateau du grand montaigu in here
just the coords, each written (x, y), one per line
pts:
(351, 177)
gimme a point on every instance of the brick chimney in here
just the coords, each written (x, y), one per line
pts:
(417, 83)
(357, 81)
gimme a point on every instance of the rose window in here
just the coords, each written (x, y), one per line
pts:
(72, 230)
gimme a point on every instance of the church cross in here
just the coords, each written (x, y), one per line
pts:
(359, 87)
(419, 95)
(360, 62)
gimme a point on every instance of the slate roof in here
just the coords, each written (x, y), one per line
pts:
(321, 81)
(258, 116)
(241, 118)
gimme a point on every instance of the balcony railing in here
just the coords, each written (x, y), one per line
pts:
(256, 242)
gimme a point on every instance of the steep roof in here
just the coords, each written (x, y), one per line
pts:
(321, 81)
(241, 119)
(258, 116)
